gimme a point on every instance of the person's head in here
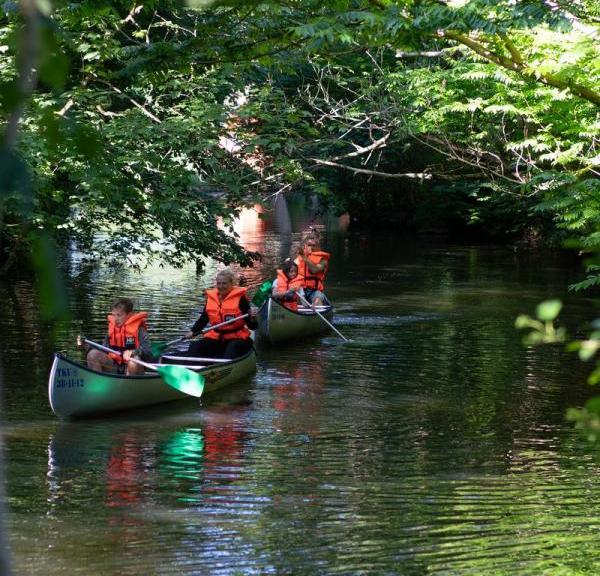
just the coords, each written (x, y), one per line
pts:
(225, 280)
(121, 308)
(289, 268)
(311, 243)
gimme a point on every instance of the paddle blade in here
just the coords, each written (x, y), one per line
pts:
(262, 294)
(158, 348)
(182, 379)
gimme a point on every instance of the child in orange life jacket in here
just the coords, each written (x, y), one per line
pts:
(126, 333)
(313, 264)
(288, 285)
(224, 302)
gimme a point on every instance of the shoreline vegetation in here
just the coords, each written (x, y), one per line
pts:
(153, 122)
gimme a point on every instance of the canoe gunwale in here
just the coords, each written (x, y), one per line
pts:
(323, 311)
(148, 375)
(83, 366)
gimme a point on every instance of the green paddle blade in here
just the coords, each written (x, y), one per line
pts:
(262, 294)
(158, 348)
(182, 379)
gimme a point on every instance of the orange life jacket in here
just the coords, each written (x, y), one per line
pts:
(219, 311)
(314, 281)
(126, 336)
(284, 284)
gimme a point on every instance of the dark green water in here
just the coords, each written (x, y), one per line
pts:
(432, 443)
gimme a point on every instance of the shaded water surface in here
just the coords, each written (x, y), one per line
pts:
(432, 443)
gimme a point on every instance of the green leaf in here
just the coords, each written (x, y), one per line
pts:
(548, 310)
(593, 405)
(522, 321)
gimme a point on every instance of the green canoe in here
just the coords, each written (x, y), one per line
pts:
(276, 323)
(74, 390)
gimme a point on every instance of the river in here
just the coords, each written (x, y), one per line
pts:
(431, 443)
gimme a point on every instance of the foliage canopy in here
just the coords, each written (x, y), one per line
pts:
(133, 129)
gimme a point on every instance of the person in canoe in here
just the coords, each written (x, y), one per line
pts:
(128, 334)
(288, 285)
(224, 302)
(313, 264)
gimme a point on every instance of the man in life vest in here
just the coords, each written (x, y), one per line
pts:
(128, 334)
(224, 302)
(288, 285)
(313, 264)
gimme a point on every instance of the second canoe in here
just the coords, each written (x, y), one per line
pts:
(276, 323)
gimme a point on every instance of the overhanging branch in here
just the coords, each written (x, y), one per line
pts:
(410, 175)
(516, 64)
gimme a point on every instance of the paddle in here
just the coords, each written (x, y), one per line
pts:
(177, 377)
(159, 347)
(307, 303)
(262, 294)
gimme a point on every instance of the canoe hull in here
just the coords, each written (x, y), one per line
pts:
(277, 324)
(75, 391)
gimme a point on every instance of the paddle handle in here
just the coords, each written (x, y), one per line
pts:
(307, 303)
(205, 330)
(110, 350)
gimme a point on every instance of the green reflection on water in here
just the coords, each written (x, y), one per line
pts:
(182, 454)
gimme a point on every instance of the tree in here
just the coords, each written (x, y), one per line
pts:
(147, 124)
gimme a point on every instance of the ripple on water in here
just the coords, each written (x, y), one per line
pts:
(432, 443)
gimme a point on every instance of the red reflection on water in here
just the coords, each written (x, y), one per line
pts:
(300, 396)
(124, 473)
(222, 442)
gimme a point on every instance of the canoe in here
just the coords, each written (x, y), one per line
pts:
(74, 390)
(276, 323)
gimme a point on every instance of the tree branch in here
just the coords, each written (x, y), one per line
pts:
(381, 143)
(413, 175)
(463, 160)
(134, 102)
(519, 67)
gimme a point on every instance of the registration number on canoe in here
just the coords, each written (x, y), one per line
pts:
(68, 378)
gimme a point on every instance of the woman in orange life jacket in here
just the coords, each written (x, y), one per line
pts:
(126, 333)
(288, 285)
(313, 264)
(224, 302)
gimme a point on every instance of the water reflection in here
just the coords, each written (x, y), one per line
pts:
(432, 444)
(182, 455)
